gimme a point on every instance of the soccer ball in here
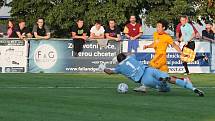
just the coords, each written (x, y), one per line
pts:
(122, 88)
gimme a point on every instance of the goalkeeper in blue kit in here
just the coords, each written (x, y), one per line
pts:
(148, 76)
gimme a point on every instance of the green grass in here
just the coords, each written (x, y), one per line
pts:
(21, 99)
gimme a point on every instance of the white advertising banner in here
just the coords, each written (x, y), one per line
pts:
(173, 57)
(13, 56)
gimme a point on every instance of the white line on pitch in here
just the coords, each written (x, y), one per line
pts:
(75, 87)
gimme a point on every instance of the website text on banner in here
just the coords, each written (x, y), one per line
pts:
(173, 57)
(13, 56)
(57, 56)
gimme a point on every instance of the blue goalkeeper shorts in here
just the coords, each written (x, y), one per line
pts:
(151, 78)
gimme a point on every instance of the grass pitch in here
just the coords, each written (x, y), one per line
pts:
(93, 97)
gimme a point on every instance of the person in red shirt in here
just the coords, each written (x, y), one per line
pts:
(178, 30)
(133, 31)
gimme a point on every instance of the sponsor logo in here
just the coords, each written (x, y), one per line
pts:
(14, 69)
(45, 56)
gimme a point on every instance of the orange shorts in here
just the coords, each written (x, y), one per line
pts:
(159, 62)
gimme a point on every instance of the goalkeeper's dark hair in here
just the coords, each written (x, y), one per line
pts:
(164, 23)
(121, 57)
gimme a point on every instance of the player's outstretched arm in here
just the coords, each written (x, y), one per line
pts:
(109, 71)
(148, 46)
(177, 48)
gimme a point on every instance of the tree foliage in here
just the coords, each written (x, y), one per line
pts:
(61, 14)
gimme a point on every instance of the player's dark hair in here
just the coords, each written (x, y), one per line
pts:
(164, 23)
(79, 19)
(40, 18)
(184, 16)
(21, 20)
(112, 20)
(121, 57)
(12, 21)
(133, 15)
(98, 22)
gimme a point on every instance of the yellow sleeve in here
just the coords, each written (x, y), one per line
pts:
(169, 40)
(126, 30)
(155, 36)
(141, 30)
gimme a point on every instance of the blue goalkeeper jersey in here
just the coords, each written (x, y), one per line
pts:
(131, 68)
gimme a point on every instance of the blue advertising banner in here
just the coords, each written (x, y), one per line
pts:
(56, 56)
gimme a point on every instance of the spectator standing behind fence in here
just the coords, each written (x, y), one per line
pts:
(178, 30)
(79, 36)
(22, 31)
(97, 31)
(11, 33)
(40, 30)
(208, 33)
(112, 32)
(133, 31)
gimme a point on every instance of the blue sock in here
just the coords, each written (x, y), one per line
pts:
(184, 84)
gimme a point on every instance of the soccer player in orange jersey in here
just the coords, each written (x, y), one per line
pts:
(160, 44)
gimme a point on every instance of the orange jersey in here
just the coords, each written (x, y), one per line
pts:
(161, 42)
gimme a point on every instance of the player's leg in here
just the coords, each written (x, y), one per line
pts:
(186, 68)
(152, 79)
(203, 56)
(152, 76)
(185, 83)
(158, 74)
(141, 88)
(163, 86)
(147, 80)
(190, 45)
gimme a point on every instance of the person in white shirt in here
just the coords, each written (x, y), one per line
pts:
(97, 31)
